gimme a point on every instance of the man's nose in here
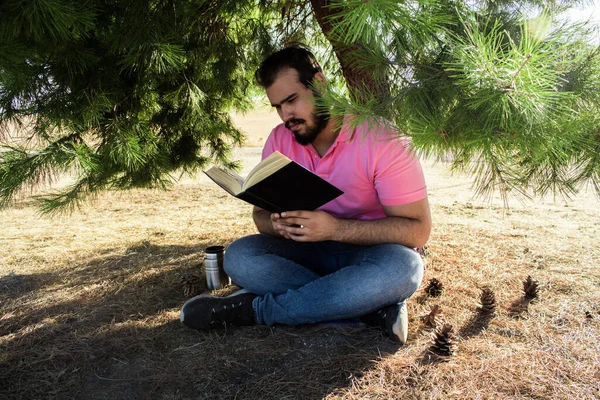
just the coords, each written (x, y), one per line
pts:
(286, 112)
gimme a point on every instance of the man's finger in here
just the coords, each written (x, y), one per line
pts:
(284, 234)
(298, 229)
(295, 222)
(296, 214)
(298, 238)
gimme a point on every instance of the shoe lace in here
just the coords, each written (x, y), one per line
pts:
(227, 314)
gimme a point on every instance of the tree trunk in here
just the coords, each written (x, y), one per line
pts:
(359, 80)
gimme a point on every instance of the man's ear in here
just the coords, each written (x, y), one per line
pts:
(319, 83)
(319, 78)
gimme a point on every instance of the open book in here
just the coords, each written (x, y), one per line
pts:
(277, 184)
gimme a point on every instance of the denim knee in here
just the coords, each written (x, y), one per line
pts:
(415, 269)
(405, 267)
(238, 252)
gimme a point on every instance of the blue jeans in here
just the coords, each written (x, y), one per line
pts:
(303, 283)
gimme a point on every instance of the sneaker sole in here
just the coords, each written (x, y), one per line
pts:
(400, 326)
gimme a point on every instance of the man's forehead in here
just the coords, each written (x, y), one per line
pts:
(287, 74)
(285, 86)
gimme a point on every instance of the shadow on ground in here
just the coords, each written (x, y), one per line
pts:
(109, 329)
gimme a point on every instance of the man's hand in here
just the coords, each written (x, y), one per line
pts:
(279, 226)
(301, 226)
(406, 224)
(305, 226)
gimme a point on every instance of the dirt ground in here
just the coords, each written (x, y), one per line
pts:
(89, 303)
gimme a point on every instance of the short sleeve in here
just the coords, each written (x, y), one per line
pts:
(398, 176)
(269, 147)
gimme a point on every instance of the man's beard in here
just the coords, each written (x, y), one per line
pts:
(319, 122)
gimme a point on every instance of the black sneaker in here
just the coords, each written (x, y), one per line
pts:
(393, 319)
(206, 311)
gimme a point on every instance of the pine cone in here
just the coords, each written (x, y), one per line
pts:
(422, 251)
(488, 302)
(444, 341)
(190, 284)
(433, 318)
(530, 288)
(434, 288)
(589, 315)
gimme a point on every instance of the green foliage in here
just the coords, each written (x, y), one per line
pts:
(131, 94)
(508, 96)
(123, 94)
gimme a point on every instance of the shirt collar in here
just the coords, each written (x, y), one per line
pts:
(346, 132)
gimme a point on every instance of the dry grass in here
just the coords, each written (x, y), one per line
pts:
(89, 306)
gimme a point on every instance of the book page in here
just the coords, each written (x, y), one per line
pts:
(266, 167)
(227, 179)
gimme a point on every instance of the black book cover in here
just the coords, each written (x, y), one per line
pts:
(291, 188)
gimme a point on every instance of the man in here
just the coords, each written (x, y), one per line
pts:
(354, 257)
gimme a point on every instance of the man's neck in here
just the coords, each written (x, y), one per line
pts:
(327, 137)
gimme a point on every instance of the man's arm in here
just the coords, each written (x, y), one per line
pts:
(406, 224)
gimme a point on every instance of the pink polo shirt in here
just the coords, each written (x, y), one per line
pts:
(373, 167)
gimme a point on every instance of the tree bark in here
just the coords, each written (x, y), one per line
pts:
(362, 82)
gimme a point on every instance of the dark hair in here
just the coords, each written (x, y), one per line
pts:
(295, 56)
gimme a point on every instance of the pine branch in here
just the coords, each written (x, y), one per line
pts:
(68, 200)
(149, 85)
(20, 169)
(511, 85)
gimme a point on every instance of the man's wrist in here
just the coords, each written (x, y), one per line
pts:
(336, 231)
(262, 220)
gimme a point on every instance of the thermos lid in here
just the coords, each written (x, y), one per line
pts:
(214, 249)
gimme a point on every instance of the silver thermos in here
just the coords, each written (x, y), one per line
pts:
(216, 278)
